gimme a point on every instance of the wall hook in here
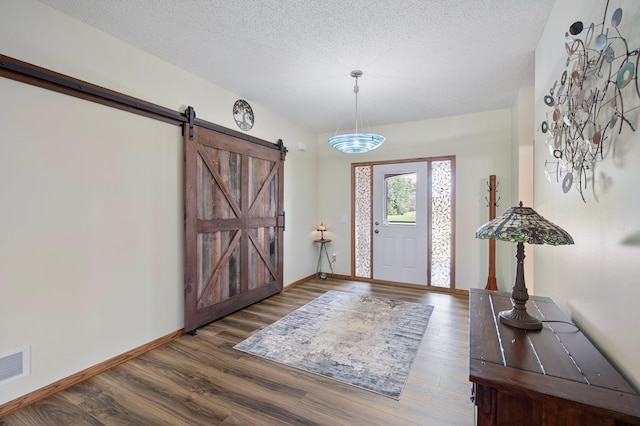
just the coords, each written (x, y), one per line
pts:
(489, 203)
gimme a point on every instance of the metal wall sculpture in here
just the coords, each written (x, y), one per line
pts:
(592, 101)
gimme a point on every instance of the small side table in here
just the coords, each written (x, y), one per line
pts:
(323, 247)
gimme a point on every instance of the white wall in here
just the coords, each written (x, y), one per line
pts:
(90, 230)
(482, 146)
(595, 280)
(91, 218)
(522, 154)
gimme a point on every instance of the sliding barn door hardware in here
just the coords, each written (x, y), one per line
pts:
(64, 84)
(191, 117)
(24, 72)
(283, 149)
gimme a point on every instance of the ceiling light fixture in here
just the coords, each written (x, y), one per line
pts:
(355, 143)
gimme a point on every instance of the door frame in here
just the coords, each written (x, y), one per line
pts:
(354, 166)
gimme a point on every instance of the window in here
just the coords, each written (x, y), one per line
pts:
(400, 194)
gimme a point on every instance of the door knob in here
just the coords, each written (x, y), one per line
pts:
(376, 231)
(377, 224)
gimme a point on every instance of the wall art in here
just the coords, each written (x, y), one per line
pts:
(591, 102)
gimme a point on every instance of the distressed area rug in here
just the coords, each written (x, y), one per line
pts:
(364, 341)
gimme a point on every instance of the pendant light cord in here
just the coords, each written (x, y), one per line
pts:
(356, 89)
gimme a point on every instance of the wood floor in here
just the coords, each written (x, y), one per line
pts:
(202, 380)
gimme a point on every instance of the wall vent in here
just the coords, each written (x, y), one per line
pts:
(14, 365)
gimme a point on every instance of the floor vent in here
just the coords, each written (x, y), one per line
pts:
(14, 365)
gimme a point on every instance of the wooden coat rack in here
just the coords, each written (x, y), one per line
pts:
(492, 283)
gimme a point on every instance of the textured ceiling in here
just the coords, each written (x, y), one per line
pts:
(421, 58)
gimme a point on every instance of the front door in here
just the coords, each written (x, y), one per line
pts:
(400, 222)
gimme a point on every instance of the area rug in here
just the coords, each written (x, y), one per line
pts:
(364, 341)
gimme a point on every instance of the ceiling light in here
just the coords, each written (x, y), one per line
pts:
(354, 143)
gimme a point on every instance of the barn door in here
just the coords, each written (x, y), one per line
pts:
(233, 224)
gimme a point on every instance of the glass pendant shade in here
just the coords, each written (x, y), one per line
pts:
(355, 143)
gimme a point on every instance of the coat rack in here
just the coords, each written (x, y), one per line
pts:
(493, 203)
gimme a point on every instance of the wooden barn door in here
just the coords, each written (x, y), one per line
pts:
(234, 224)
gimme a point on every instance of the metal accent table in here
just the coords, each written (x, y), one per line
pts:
(323, 247)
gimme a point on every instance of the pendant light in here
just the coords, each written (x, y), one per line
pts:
(355, 143)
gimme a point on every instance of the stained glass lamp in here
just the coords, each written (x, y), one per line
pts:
(522, 225)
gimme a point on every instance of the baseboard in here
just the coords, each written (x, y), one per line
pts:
(390, 283)
(399, 284)
(83, 375)
(342, 277)
(298, 282)
(428, 288)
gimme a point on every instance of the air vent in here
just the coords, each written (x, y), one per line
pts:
(14, 365)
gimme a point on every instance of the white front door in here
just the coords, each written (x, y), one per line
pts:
(400, 222)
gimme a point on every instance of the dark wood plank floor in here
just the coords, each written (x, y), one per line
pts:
(202, 380)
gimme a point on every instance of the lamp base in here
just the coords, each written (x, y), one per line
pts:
(519, 318)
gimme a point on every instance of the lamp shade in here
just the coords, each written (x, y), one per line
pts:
(523, 225)
(322, 229)
(355, 143)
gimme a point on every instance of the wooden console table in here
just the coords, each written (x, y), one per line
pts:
(553, 376)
